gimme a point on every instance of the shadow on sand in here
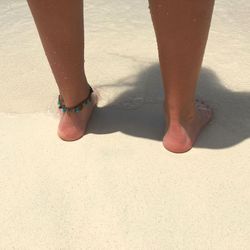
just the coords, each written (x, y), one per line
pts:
(139, 112)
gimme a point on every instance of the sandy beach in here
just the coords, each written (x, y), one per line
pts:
(118, 188)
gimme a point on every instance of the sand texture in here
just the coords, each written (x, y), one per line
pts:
(118, 188)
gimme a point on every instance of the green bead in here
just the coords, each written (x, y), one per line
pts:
(77, 109)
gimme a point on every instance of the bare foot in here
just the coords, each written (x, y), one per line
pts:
(72, 126)
(180, 138)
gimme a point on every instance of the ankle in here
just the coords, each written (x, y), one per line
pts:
(76, 106)
(74, 95)
(178, 109)
(175, 117)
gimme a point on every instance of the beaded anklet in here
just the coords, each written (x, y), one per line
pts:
(76, 108)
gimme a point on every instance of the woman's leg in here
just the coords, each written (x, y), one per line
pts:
(181, 28)
(60, 26)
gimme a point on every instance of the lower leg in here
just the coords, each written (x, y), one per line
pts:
(181, 29)
(60, 26)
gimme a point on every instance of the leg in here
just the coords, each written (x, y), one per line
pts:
(181, 28)
(60, 26)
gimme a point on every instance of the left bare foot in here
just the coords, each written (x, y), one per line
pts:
(72, 126)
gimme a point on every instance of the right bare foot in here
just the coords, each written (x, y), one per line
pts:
(72, 126)
(180, 137)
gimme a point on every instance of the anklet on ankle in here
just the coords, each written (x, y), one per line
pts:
(77, 108)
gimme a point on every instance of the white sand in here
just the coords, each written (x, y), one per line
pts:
(117, 188)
